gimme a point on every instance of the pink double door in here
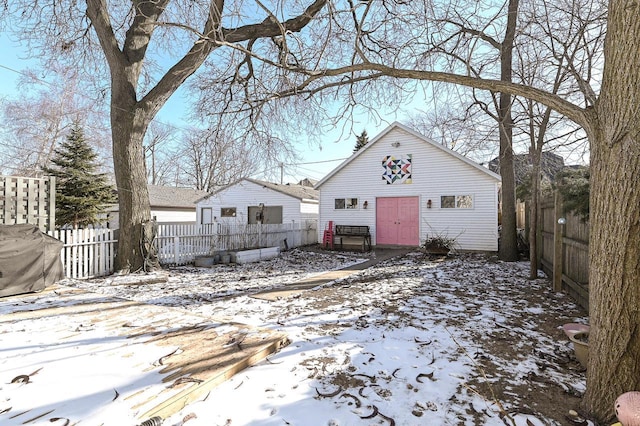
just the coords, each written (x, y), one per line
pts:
(397, 221)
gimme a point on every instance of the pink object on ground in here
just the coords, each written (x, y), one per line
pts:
(628, 409)
(572, 328)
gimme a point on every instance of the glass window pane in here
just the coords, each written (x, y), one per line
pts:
(339, 203)
(464, 202)
(448, 202)
(228, 212)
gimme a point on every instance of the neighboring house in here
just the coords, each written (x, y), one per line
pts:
(406, 187)
(550, 165)
(308, 182)
(253, 201)
(168, 204)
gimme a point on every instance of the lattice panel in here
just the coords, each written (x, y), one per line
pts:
(27, 200)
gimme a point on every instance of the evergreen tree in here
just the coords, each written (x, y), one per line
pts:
(82, 193)
(573, 184)
(361, 141)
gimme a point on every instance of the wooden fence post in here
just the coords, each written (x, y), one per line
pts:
(558, 233)
(51, 218)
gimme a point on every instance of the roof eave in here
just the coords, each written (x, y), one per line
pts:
(401, 126)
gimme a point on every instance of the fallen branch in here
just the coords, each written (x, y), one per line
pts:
(373, 413)
(355, 398)
(330, 394)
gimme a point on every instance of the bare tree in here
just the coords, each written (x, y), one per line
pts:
(509, 240)
(128, 35)
(559, 40)
(161, 156)
(611, 124)
(475, 44)
(214, 158)
(388, 42)
(40, 118)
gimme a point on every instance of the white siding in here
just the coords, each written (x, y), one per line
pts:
(245, 193)
(161, 215)
(434, 173)
(169, 215)
(309, 209)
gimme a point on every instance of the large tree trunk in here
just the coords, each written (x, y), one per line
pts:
(614, 273)
(131, 116)
(128, 126)
(509, 237)
(614, 241)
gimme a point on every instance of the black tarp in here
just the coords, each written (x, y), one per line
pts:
(29, 259)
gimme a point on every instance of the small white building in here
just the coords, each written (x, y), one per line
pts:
(406, 187)
(168, 204)
(249, 201)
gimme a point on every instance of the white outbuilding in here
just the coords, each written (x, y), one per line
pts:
(406, 187)
(168, 204)
(250, 201)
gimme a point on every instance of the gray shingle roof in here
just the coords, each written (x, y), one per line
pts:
(300, 192)
(297, 191)
(171, 196)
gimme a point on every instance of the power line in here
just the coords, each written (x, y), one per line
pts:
(16, 71)
(317, 162)
(314, 174)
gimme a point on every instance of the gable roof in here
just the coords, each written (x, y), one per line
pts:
(396, 125)
(171, 196)
(301, 192)
(308, 182)
(298, 191)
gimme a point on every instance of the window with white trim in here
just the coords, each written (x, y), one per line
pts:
(345, 203)
(228, 212)
(456, 202)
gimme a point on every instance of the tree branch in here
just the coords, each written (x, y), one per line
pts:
(99, 17)
(551, 100)
(271, 27)
(476, 33)
(212, 37)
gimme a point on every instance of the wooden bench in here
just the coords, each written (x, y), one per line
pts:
(354, 231)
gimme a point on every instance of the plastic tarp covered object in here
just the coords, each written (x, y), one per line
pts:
(29, 259)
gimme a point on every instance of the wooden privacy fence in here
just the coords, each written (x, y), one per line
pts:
(28, 200)
(89, 253)
(564, 250)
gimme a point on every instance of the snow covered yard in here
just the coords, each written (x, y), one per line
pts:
(410, 341)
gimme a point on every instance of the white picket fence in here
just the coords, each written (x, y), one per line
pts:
(87, 253)
(180, 243)
(90, 253)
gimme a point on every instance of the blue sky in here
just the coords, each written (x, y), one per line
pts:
(316, 161)
(11, 57)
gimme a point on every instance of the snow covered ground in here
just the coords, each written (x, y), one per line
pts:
(410, 341)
